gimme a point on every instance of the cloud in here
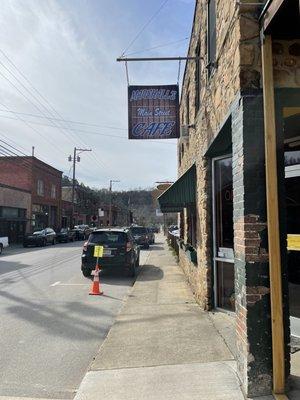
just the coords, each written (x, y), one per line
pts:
(68, 51)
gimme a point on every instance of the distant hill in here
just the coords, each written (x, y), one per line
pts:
(139, 201)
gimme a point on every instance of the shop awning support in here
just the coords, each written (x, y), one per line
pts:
(273, 218)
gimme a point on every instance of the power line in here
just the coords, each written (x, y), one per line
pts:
(64, 120)
(7, 153)
(145, 26)
(38, 108)
(158, 46)
(27, 100)
(5, 137)
(93, 132)
(36, 131)
(13, 147)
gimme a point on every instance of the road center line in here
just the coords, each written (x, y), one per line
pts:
(58, 283)
(73, 284)
(55, 284)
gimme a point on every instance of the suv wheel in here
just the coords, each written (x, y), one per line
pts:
(1, 248)
(132, 271)
(86, 274)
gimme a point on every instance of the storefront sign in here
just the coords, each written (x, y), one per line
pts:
(293, 242)
(153, 112)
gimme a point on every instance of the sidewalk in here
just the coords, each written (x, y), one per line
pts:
(162, 346)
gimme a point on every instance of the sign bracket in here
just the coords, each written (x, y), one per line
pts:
(187, 58)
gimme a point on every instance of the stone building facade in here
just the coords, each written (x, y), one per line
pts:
(222, 120)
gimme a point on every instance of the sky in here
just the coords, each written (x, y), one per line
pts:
(61, 86)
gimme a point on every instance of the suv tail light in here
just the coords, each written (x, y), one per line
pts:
(85, 246)
(128, 246)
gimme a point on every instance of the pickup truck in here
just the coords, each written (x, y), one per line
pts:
(3, 243)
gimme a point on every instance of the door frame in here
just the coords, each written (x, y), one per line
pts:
(214, 236)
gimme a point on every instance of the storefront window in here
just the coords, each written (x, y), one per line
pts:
(40, 187)
(10, 212)
(53, 192)
(292, 200)
(192, 226)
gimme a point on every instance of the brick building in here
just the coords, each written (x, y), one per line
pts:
(42, 181)
(243, 91)
(15, 206)
(81, 207)
(86, 209)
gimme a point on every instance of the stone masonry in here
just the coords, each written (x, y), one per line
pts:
(233, 89)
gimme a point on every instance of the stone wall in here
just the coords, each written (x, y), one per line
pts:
(217, 94)
(286, 54)
(234, 89)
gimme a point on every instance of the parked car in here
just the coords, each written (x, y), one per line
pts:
(141, 235)
(65, 235)
(151, 235)
(3, 243)
(82, 232)
(40, 238)
(120, 251)
(172, 228)
(175, 232)
(155, 228)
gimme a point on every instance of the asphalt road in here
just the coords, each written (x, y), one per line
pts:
(50, 328)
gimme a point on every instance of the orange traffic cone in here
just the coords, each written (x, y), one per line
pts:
(95, 289)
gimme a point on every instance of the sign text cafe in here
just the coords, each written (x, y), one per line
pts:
(153, 112)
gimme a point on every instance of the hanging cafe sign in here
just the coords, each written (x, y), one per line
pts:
(153, 112)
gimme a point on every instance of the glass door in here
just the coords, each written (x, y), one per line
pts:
(223, 233)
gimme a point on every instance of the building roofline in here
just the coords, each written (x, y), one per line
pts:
(33, 159)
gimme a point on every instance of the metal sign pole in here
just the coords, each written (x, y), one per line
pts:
(126, 59)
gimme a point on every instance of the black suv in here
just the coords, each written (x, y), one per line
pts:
(65, 235)
(141, 236)
(120, 251)
(40, 238)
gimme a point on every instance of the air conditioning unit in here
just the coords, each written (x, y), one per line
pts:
(184, 131)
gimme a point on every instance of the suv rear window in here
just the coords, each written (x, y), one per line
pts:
(110, 237)
(138, 230)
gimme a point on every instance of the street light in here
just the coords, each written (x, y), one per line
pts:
(110, 200)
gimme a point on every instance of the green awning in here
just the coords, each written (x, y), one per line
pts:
(181, 194)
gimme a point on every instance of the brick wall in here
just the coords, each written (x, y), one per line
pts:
(24, 173)
(252, 287)
(15, 172)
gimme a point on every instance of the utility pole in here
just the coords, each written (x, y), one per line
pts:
(110, 200)
(75, 159)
